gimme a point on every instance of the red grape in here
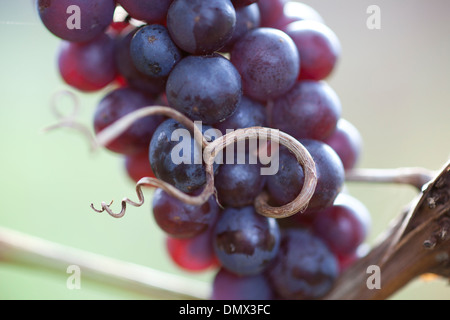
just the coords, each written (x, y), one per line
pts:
(318, 46)
(344, 225)
(347, 142)
(193, 254)
(88, 66)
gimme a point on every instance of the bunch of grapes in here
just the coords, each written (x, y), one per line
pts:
(229, 64)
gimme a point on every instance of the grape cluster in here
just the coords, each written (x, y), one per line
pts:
(230, 64)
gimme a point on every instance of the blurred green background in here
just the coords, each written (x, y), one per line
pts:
(393, 83)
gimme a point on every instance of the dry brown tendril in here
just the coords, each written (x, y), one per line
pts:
(210, 150)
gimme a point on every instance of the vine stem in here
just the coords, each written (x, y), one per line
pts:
(24, 250)
(211, 151)
(416, 177)
(418, 242)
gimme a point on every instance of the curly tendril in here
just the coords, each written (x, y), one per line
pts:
(210, 150)
(69, 120)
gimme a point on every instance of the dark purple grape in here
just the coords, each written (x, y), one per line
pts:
(201, 27)
(247, 18)
(347, 142)
(76, 20)
(153, 51)
(286, 184)
(344, 226)
(182, 220)
(206, 88)
(126, 68)
(319, 48)
(114, 106)
(310, 110)
(271, 11)
(176, 158)
(245, 242)
(249, 113)
(242, 3)
(304, 267)
(268, 62)
(230, 286)
(296, 11)
(88, 66)
(152, 11)
(239, 183)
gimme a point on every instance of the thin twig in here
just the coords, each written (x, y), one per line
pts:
(211, 150)
(416, 177)
(25, 250)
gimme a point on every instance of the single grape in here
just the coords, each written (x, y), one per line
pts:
(268, 62)
(176, 158)
(310, 110)
(319, 48)
(131, 75)
(151, 11)
(344, 226)
(245, 242)
(271, 11)
(287, 183)
(304, 267)
(330, 174)
(153, 51)
(240, 182)
(137, 166)
(347, 142)
(76, 20)
(206, 88)
(88, 66)
(296, 11)
(249, 113)
(193, 254)
(114, 106)
(182, 220)
(230, 286)
(201, 27)
(247, 18)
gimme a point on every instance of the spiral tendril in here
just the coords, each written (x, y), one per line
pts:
(210, 149)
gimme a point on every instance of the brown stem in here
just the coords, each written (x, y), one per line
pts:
(418, 243)
(415, 177)
(27, 251)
